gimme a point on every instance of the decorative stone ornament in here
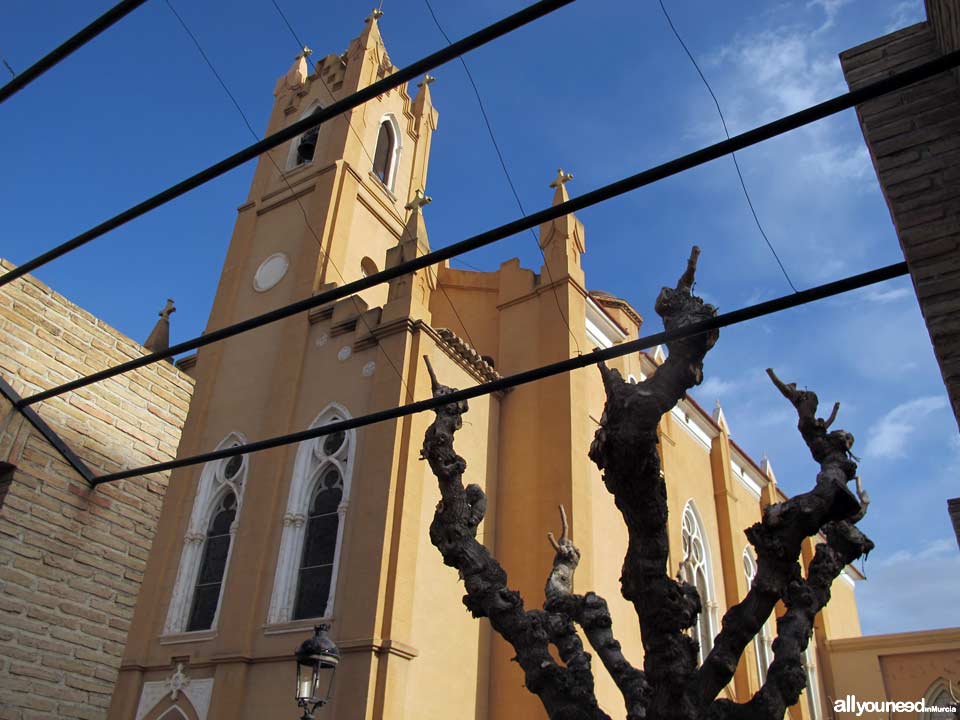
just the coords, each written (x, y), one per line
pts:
(369, 369)
(345, 353)
(179, 688)
(270, 272)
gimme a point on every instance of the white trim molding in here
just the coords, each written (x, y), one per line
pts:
(601, 330)
(696, 569)
(310, 465)
(214, 484)
(394, 162)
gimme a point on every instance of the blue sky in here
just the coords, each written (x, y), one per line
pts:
(600, 88)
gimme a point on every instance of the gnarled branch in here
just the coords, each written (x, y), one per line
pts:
(777, 539)
(566, 691)
(625, 449)
(590, 612)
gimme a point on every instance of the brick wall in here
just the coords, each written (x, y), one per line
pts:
(914, 139)
(71, 557)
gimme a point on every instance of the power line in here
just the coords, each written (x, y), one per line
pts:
(7, 66)
(734, 317)
(726, 132)
(506, 172)
(68, 47)
(481, 37)
(283, 177)
(593, 197)
(363, 147)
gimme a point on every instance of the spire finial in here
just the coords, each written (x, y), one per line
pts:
(168, 309)
(305, 53)
(374, 15)
(419, 200)
(159, 339)
(561, 179)
(427, 79)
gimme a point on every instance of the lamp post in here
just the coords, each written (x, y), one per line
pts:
(317, 660)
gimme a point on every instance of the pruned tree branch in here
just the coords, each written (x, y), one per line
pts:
(625, 449)
(566, 691)
(786, 677)
(590, 612)
(777, 539)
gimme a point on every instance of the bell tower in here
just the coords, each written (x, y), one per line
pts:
(326, 207)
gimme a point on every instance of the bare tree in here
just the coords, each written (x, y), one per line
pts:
(670, 686)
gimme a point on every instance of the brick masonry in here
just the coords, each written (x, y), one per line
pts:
(914, 140)
(72, 558)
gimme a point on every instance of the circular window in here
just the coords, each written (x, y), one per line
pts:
(270, 272)
(232, 466)
(332, 443)
(368, 267)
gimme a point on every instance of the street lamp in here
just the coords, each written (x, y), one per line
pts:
(317, 660)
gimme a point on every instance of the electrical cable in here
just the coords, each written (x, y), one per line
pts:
(506, 172)
(402, 75)
(68, 47)
(726, 132)
(593, 197)
(734, 317)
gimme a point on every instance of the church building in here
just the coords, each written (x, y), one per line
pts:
(252, 552)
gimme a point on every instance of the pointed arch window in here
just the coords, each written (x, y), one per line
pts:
(761, 643)
(387, 155)
(306, 576)
(939, 698)
(205, 558)
(695, 570)
(213, 564)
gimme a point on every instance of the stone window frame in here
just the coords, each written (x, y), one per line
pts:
(938, 694)
(211, 488)
(393, 162)
(812, 690)
(308, 468)
(693, 532)
(762, 643)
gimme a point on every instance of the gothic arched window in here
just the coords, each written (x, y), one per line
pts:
(387, 154)
(695, 570)
(205, 558)
(319, 546)
(761, 643)
(939, 697)
(213, 564)
(305, 581)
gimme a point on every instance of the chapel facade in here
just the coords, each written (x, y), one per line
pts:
(251, 552)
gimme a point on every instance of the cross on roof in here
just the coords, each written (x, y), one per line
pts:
(418, 201)
(167, 310)
(561, 178)
(375, 14)
(427, 79)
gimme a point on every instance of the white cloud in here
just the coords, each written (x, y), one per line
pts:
(889, 435)
(910, 589)
(882, 297)
(830, 9)
(904, 14)
(714, 388)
